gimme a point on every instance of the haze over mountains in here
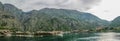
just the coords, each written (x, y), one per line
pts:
(50, 19)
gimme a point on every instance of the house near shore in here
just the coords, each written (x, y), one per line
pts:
(48, 33)
(5, 32)
(23, 33)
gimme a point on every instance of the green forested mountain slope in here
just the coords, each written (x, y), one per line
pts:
(47, 19)
(8, 19)
(115, 22)
(61, 19)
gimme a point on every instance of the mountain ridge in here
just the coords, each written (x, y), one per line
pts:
(49, 19)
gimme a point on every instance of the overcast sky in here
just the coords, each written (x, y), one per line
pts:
(105, 9)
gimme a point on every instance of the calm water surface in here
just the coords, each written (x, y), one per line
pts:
(108, 36)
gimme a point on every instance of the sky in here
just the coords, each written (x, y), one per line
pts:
(107, 9)
(104, 9)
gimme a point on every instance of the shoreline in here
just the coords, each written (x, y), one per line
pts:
(31, 34)
(46, 33)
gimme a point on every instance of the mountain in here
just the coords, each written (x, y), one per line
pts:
(115, 22)
(50, 19)
(47, 19)
(8, 19)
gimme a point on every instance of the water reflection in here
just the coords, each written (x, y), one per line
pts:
(109, 36)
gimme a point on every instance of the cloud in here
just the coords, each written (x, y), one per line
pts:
(28, 5)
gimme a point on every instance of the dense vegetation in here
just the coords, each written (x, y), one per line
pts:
(115, 24)
(49, 19)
